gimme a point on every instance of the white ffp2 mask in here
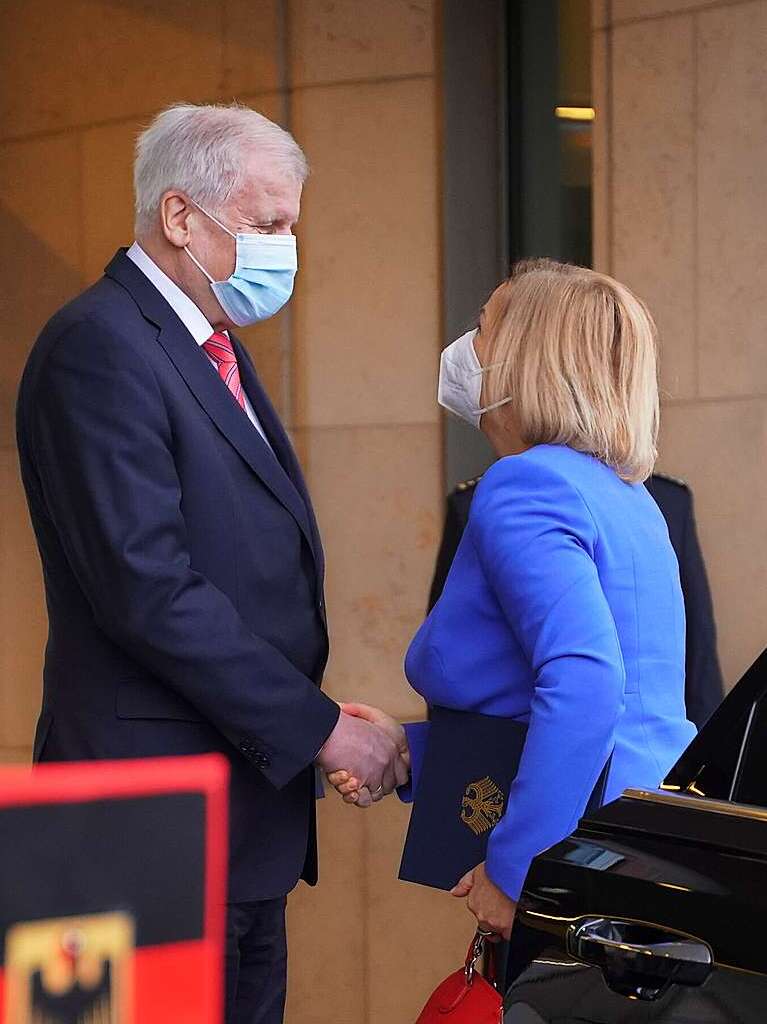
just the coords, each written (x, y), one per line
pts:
(460, 381)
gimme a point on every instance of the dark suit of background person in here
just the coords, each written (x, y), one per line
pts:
(703, 687)
(184, 576)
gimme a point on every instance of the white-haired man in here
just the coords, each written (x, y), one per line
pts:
(183, 566)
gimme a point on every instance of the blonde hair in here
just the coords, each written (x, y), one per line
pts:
(576, 351)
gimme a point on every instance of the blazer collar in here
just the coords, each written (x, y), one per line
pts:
(211, 393)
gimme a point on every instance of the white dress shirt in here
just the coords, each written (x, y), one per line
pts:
(188, 313)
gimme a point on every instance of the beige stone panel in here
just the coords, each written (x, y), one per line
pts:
(326, 925)
(15, 755)
(653, 150)
(40, 228)
(624, 10)
(600, 13)
(367, 308)
(22, 612)
(98, 60)
(416, 936)
(601, 195)
(107, 172)
(732, 148)
(358, 39)
(377, 492)
(253, 42)
(719, 448)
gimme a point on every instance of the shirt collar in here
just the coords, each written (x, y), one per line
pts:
(188, 313)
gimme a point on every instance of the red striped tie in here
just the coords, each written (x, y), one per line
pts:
(219, 348)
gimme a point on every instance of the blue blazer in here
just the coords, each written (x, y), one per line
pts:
(563, 608)
(183, 568)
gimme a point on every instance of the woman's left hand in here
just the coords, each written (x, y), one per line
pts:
(493, 909)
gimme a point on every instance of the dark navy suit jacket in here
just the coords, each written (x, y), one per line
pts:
(183, 568)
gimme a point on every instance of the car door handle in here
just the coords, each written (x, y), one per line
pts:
(639, 960)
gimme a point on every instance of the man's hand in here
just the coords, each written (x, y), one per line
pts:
(493, 909)
(348, 785)
(364, 752)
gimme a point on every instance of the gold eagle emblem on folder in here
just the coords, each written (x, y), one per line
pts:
(70, 969)
(482, 805)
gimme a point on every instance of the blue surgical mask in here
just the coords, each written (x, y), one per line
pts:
(262, 282)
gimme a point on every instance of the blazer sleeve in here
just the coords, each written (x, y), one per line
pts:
(536, 540)
(104, 451)
(417, 738)
(703, 689)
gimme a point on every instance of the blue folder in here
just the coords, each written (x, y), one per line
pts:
(463, 766)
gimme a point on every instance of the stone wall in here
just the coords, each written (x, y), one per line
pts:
(351, 363)
(680, 194)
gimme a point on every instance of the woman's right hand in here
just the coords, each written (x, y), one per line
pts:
(346, 784)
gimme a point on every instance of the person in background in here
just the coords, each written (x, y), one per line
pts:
(704, 688)
(563, 610)
(182, 561)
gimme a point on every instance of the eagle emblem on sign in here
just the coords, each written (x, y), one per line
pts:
(75, 969)
(482, 805)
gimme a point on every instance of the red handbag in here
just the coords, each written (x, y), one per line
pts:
(466, 997)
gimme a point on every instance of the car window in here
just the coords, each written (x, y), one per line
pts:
(723, 761)
(715, 774)
(751, 782)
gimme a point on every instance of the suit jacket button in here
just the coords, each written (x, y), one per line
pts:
(261, 760)
(246, 747)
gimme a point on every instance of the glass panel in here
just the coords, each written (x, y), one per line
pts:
(718, 763)
(716, 779)
(751, 786)
(550, 122)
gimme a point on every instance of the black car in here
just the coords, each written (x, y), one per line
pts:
(655, 909)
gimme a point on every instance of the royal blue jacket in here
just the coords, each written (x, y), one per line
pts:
(563, 608)
(183, 568)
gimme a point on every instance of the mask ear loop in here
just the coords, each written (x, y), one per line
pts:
(197, 263)
(215, 221)
(495, 405)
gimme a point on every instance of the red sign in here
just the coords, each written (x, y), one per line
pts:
(112, 891)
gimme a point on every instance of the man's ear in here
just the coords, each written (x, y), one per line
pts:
(175, 212)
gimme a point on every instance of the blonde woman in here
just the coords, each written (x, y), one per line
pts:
(563, 610)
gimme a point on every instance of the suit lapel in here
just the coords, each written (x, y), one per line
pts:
(214, 397)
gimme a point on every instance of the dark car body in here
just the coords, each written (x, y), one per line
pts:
(655, 908)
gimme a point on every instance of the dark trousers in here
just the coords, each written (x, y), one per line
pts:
(256, 962)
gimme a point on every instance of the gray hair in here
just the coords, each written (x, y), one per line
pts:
(201, 150)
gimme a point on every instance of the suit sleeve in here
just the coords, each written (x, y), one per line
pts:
(535, 538)
(104, 451)
(703, 689)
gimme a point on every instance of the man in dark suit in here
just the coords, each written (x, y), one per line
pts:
(182, 562)
(704, 691)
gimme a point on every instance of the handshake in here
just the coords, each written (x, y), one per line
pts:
(366, 756)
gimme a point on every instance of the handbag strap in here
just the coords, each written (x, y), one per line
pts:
(476, 949)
